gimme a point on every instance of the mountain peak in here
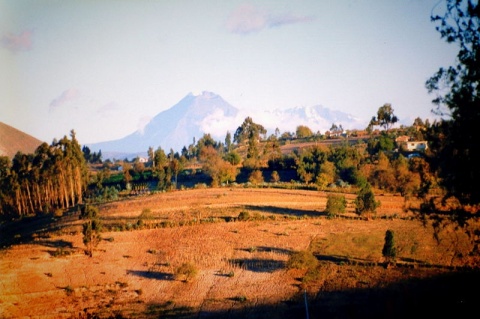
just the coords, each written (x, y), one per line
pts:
(204, 94)
(194, 115)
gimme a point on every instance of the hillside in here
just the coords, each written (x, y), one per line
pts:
(13, 141)
(240, 266)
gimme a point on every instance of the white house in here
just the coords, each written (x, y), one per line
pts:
(142, 159)
(419, 146)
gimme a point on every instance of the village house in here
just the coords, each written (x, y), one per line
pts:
(402, 139)
(419, 146)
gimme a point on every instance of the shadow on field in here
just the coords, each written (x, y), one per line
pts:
(448, 295)
(59, 243)
(22, 231)
(266, 249)
(334, 259)
(151, 274)
(258, 265)
(285, 211)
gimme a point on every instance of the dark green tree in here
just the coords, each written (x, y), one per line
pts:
(385, 117)
(365, 202)
(176, 166)
(454, 140)
(251, 132)
(228, 141)
(233, 157)
(309, 163)
(389, 250)
(336, 204)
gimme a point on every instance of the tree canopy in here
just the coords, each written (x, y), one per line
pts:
(454, 140)
(248, 130)
(54, 177)
(385, 117)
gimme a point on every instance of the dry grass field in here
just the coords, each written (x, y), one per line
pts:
(239, 266)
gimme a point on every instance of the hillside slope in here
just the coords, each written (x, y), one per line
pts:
(13, 141)
(241, 266)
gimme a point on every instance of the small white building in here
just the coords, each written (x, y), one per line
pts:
(419, 146)
(142, 159)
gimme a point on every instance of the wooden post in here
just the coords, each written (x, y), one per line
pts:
(306, 305)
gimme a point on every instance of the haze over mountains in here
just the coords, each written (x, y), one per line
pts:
(197, 114)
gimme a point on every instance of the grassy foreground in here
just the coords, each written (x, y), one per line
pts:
(188, 254)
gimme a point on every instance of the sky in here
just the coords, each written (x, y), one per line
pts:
(105, 68)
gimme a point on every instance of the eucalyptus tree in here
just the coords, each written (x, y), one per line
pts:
(385, 117)
(54, 177)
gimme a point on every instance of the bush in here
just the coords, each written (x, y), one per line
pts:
(69, 290)
(311, 275)
(256, 177)
(275, 178)
(60, 252)
(336, 204)
(58, 213)
(365, 201)
(244, 215)
(186, 272)
(302, 260)
(241, 298)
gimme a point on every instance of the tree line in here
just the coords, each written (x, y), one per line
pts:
(54, 177)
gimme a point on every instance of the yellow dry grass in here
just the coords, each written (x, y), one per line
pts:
(241, 264)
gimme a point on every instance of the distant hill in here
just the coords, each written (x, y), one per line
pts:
(13, 141)
(197, 114)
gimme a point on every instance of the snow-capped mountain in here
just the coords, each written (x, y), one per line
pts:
(177, 126)
(317, 118)
(207, 112)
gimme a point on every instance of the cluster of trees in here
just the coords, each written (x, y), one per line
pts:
(93, 158)
(54, 177)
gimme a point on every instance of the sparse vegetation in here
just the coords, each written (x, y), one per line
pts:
(186, 272)
(244, 215)
(60, 252)
(343, 253)
(302, 260)
(91, 228)
(336, 205)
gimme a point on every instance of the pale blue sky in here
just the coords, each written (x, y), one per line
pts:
(104, 68)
